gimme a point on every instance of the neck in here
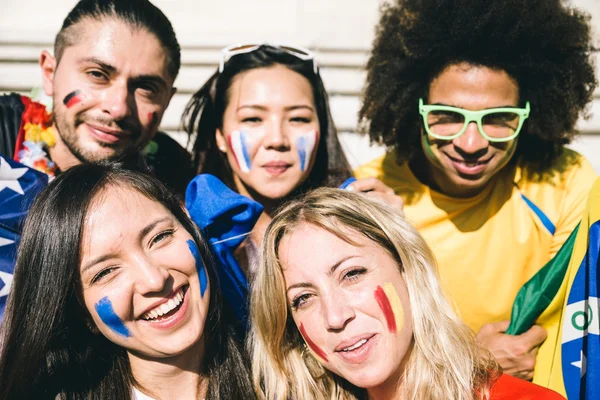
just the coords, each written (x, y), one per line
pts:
(171, 378)
(393, 387)
(61, 155)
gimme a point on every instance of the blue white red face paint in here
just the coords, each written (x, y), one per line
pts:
(73, 98)
(199, 266)
(105, 311)
(239, 143)
(305, 145)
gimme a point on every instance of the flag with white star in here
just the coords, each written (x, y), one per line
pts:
(19, 185)
(580, 348)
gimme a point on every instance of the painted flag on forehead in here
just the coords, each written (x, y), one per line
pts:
(19, 185)
(563, 298)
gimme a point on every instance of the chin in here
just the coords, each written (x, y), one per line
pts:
(367, 379)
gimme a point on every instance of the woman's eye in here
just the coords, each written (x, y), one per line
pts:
(163, 236)
(251, 120)
(302, 120)
(299, 301)
(354, 274)
(103, 274)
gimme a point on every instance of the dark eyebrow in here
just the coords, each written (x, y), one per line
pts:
(263, 108)
(299, 106)
(99, 62)
(254, 106)
(331, 271)
(462, 108)
(147, 229)
(112, 69)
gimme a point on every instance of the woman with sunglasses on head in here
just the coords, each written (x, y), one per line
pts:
(347, 305)
(114, 297)
(264, 128)
(478, 107)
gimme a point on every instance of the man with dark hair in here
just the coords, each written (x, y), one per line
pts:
(111, 79)
(478, 99)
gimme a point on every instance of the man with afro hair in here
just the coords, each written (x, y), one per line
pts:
(478, 98)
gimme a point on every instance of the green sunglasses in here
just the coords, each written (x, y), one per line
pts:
(495, 124)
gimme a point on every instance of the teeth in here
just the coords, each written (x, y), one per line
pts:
(356, 346)
(165, 307)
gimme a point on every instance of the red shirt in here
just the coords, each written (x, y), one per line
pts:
(508, 388)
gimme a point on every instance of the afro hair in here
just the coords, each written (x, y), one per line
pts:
(542, 44)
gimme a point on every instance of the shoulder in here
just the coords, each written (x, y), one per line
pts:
(381, 167)
(508, 387)
(569, 168)
(170, 162)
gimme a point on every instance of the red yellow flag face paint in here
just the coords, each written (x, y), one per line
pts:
(390, 304)
(314, 348)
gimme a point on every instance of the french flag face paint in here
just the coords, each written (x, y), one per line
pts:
(73, 98)
(199, 266)
(317, 351)
(305, 145)
(390, 304)
(105, 311)
(239, 143)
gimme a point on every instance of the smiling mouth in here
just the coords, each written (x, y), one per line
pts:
(167, 309)
(469, 163)
(356, 345)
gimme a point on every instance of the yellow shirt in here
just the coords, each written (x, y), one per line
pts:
(489, 245)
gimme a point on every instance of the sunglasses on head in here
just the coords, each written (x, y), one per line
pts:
(231, 51)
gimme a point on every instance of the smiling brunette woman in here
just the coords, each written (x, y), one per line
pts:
(346, 305)
(114, 297)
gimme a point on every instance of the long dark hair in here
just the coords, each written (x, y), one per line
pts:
(50, 348)
(204, 114)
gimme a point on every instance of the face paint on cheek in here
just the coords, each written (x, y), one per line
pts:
(390, 304)
(315, 349)
(73, 98)
(199, 266)
(305, 145)
(239, 143)
(107, 314)
(152, 118)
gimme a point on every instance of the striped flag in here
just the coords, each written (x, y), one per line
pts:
(563, 298)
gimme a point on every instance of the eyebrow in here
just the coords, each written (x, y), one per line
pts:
(489, 108)
(333, 268)
(147, 229)
(112, 69)
(263, 108)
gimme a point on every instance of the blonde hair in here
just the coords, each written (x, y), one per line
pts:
(445, 362)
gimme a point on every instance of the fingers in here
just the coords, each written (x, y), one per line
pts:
(533, 338)
(370, 184)
(392, 200)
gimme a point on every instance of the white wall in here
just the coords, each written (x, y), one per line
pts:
(340, 32)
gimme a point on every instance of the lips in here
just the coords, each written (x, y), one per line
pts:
(353, 343)
(357, 349)
(105, 134)
(469, 167)
(165, 306)
(276, 167)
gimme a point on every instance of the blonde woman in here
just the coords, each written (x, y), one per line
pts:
(346, 305)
